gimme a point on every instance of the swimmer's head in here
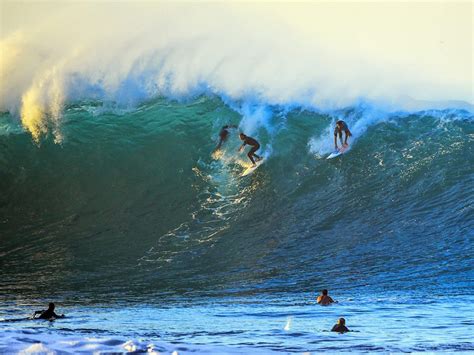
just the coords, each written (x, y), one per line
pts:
(51, 306)
(324, 292)
(341, 321)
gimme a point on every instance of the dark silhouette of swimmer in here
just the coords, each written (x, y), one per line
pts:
(255, 146)
(324, 299)
(223, 135)
(48, 313)
(341, 126)
(340, 327)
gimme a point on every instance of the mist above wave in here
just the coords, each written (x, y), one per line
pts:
(317, 55)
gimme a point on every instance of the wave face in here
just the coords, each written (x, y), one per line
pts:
(131, 203)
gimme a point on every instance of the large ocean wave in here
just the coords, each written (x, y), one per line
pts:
(113, 206)
(136, 196)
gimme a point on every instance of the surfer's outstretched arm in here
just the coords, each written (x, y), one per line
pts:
(335, 140)
(242, 147)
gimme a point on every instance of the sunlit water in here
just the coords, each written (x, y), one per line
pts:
(242, 325)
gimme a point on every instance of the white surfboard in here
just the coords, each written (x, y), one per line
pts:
(252, 168)
(338, 152)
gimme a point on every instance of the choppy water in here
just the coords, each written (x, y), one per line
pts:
(251, 325)
(140, 237)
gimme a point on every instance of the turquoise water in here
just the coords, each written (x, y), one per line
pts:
(141, 237)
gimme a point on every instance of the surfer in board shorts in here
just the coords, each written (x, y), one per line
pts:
(341, 126)
(255, 146)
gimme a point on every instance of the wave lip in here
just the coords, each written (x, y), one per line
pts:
(279, 57)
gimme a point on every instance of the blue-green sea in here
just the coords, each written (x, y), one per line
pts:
(148, 243)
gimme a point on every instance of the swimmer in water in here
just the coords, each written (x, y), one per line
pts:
(48, 313)
(324, 299)
(340, 327)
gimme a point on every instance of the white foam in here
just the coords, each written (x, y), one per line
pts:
(325, 55)
(37, 348)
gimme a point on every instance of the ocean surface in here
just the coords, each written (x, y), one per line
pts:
(122, 217)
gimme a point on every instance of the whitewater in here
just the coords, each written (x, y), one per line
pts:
(113, 207)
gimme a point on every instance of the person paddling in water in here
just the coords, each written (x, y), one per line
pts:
(340, 327)
(324, 299)
(223, 135)
(255, 146)
(341, 126)
(48, 313)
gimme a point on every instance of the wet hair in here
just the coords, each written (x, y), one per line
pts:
(339, 122)
(325, 292)
(341, 321)
(241, 135)
(51, 305)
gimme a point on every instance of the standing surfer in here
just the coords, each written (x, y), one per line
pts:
(341, 126)
(255, 146)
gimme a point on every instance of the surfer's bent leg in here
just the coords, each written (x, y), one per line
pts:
(251, 153)
(251, 158)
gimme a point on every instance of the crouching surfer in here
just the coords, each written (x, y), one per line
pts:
(255, 146)
(340, 127)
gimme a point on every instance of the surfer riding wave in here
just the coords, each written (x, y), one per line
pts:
(255, 146)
